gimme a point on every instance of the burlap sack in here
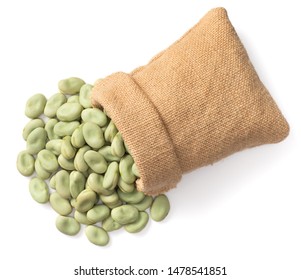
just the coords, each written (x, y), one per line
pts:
(195, 103)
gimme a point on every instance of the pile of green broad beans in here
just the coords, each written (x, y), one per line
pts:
(80, 165)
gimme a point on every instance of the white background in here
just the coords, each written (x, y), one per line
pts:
(242, 213)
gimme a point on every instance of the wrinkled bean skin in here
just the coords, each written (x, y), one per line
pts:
(25, 163)
(98, 213)
(35, 106)
(125, 169)
(85, 201)
(110, 132)
(111, 176)
(62, 181)
(67, 225)
(36, 140)
(110, 225)
(160, 208)
(54, 146)
(125, 214)
(48, 160)
(85, 96)
(138, 225)
(93, 135)
(96, 161)
(97, 235)
(65, 128)
(61, 205)
(30, 126)
(94, 115)
(53, 103)
(67, 150)
(49, 127)
(77, 183)
(118, 146)
(39, 190)
(71, 85)
(69, 112)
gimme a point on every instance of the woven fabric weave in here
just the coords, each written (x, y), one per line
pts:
(193, 104)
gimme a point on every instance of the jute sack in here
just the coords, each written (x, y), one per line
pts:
(193, 104)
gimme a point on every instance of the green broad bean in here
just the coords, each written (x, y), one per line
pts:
(67, 164)
(125, 214)
(77, 183)
(54, 146)
(39, 190)
(127, 148)
(73, 99)
(124, 187)
(25, 163)
(79, 162)
(96, 161)
(35, 106)
(117, 146)
(53, 103)
(36, 140)
(65, 128)
(59, 204)
(77, 138)
(160, 208)
(49, 127)
(30, 126)
(67, 225)
(125, 169)
(110, 200)
(144, 204)
(138, 225)
(85, 95)
(82, 218)
(94, 115)
(41, 172)
(93, 135)
(98, 213)
(97, 235)
(106, 152)
(109, 224)
(85, 201)
(62, 181)
(67, 150)
(69, 112)
(111, 176)
(95, 182)
(71, 85)
(52, 182)
(135, 170)
(47, 160)
(132, 197)
(110, 132)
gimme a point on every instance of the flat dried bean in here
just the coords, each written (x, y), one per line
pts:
(144, 204)
(95, 182)
(77, 183)
(98, 213)
(85, 201)
(96, 161)
(39, 190)
(82, 218)
(138, 225)
(67, 164)
(67, 150)
(62, 181)
(71, 85)
(53, 103)
(79, 162)
(93, 135)
(160, 208)
(49, 127)
(35, 106)
(25, 163)
(117, 146)
(111, 176)
(69, 112)
(125, 169)
(41, 172)
(85, 96)
(54, 146)
(97, 235)
(30, 126)
(61, 205)
(47, 160)
(67, 225)
(65, 128)
(77, 138)
(109, 224)
(110, 132)
(36, 140)
(133, 197)
(125, 214)
(94, 115)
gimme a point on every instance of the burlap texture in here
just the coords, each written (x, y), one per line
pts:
(193, 104)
